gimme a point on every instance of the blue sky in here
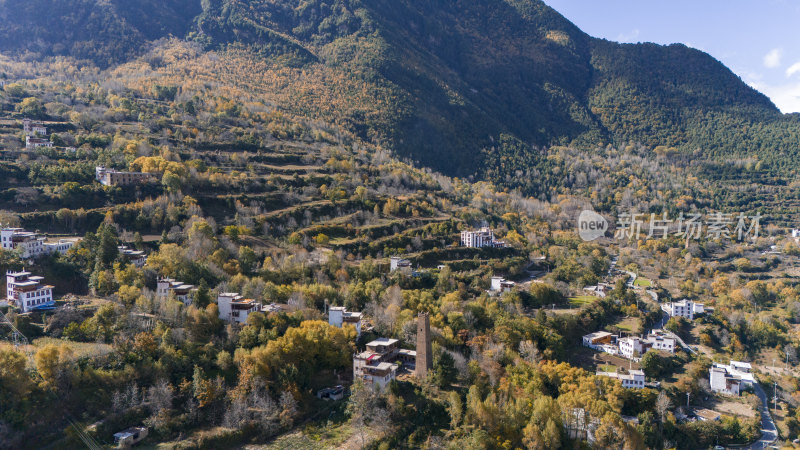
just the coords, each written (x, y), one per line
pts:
(757, 40)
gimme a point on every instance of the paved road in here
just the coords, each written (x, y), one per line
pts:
(768, 431)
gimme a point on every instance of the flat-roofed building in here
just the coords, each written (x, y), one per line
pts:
(32, 245)
(111, 177)
(483, 237)
(35, 142)
(182, 291)
(500, 284)
(723, 381)
(597, 339)
(136, 257)
(32, 128)
(684, 308)
(377, 364)
(634, 379)
(235, 308)
(396, 262)
(27, 292)
(338, 316)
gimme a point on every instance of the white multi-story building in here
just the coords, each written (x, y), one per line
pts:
(660, 340)
(61, 246)
(32, 128)
(635, 347)
(500, 284)
(723, 381)
(31, 245)
(741, 371)
(136, 257)
(480, 238)
(183, 292)
(634, 379)
(235, 308)
(684, 308)
(632, 347)
(338, 316)
(27, 291)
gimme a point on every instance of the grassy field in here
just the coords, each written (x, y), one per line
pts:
(606, 368)
(79, 349)
(581, 300)
(642, 282)
(629, 324)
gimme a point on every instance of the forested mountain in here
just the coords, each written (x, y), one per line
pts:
(440, 82)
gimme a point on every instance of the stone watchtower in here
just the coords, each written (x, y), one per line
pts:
(424, 354)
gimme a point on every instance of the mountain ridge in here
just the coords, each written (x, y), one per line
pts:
(455, 76)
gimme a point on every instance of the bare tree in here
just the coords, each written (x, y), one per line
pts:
(529, 352)
(791, 353)
(663, 405)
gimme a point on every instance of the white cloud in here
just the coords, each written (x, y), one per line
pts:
(793, 69)
(629, 37)
(785, 96)
(773, 58)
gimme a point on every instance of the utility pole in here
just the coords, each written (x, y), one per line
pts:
(775, 396)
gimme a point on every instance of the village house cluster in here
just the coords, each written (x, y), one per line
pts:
(632, 347)
(380, 363)
(30, 245)
(35, 133)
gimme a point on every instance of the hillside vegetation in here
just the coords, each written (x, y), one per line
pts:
(440, 82)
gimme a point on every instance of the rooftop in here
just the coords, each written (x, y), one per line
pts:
(383, 341)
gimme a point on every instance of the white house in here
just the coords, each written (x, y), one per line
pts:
(374, 365)
(35, 142)
(796, 233)
(128, 437)
(633, 380)
(31, 245)
(235, 308)
(338, 316)
(61, 246)
(183, 292)
(111, 177)
(598, 339)
(684, 308)
(739, 369)
(27, 291)
(480, 238)
(395, 262)
(632, 347)
(32, 128)
(136, 257)
(500, 284)
(660, 340)
(724, 382)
